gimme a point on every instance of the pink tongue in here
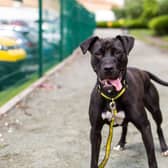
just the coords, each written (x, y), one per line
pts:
(116, 83)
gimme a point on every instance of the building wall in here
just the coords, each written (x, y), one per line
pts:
(8, 3)
(95, 5)
(50, 4)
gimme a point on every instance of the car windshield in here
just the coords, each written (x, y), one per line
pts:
(11, 34)
(31, 36)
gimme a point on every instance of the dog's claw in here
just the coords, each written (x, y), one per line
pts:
(118, 148)
(165, 154)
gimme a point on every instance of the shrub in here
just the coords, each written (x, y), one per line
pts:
(111, 24)
(101, 24)
(132, 24)
(136, 23)
(117, 24)
(159, 25)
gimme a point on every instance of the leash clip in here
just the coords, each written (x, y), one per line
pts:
(112, 105)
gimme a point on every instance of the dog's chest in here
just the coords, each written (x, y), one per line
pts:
(108, 114)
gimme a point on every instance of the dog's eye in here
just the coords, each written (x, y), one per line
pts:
(117, 52)
(98, 55)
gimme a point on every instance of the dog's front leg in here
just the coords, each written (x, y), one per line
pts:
(95, 110)
(95, 137)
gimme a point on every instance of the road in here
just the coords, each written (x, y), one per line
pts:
(50, 128)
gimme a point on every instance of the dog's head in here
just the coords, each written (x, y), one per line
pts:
(109, 58)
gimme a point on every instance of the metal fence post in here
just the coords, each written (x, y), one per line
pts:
(61, 29)
(40, 42)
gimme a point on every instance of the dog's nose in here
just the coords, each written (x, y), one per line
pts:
(108, 68)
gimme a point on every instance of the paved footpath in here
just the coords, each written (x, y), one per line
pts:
(50, 128)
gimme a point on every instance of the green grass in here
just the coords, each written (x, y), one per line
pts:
(165, 38)
(142, 33)
(146, 34)
(9, 93)
(21, 85)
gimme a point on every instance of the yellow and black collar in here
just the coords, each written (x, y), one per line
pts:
(119, 94)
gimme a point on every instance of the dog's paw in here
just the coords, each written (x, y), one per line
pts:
(165, 153)
(118, 148)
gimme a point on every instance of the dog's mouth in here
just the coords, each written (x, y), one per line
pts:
(108, 83)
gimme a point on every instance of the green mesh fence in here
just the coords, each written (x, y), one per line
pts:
(77, 25)
(30, 45)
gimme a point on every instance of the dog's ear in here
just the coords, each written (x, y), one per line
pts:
(127, 42)
(85, 46)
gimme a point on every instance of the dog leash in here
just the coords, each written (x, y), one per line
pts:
(110, 135)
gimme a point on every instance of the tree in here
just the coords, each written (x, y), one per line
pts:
(150, 9)
(163, 7)
(133, 8)
(119, 12)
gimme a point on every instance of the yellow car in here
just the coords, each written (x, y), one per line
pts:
(12, 58)
(10, 51)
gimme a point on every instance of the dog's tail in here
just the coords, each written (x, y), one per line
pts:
(156, 79)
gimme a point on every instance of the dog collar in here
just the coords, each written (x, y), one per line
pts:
(119, 94)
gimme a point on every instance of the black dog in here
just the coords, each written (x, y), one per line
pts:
(109, 61)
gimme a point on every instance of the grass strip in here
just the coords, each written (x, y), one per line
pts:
(12, 91)
(149, 37)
